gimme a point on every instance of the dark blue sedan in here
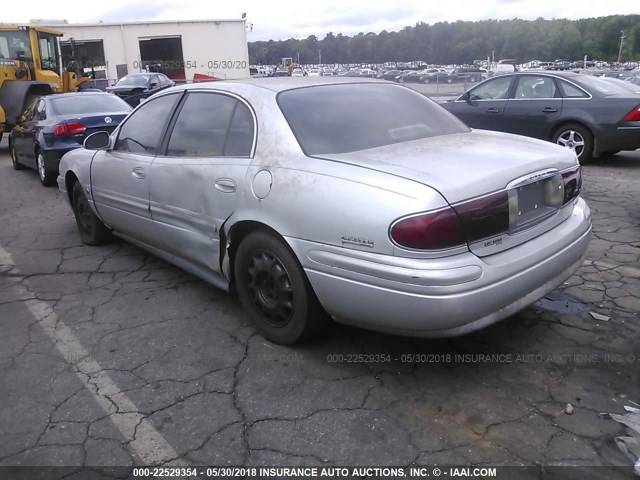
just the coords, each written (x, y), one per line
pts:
(56, 124)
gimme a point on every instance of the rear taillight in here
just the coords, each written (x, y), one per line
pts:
(572, 183)
(64, 129)
(452, 227)
(429, 231)
(633, 115)
(485, 217)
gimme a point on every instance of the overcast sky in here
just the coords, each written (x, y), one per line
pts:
(278, 20)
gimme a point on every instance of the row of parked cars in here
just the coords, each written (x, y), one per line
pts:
(464, 73)
(418, 221)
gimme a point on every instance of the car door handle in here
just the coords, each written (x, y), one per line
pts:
(549, 110)
(493, 110)
(225, 185)
(138, 172)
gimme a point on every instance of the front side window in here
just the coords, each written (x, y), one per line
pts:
(345, 118)
(212, 125)
(495, 89)
(142, 131)
(48, 51)
(14, 45)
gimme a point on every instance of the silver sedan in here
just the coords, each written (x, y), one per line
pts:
(355, 199)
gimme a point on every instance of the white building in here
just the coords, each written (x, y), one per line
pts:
(179, 49)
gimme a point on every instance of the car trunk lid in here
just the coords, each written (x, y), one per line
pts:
(472, 165)
(94, 122)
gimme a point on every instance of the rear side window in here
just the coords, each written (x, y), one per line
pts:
(530, 87)
(212, 125)
(571, 91)
(350, 117)
(142, 131)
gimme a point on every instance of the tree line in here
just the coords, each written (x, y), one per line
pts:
(462, 42)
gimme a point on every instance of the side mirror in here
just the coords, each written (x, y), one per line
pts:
(97, 141)
(466, 96)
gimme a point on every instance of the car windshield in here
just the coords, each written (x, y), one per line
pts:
(351, 117)
(15, 45)
(133, 81)
(602, 85)
(83, 104)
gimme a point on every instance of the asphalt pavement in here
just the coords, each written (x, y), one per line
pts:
(112, 357)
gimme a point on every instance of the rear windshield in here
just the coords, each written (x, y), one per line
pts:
(350, 117)
(82, 103)
(603, 85)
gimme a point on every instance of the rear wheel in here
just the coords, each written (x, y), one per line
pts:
(14, 157)
(275, 291)
(92, 230)
(47, 177)
(576, 137)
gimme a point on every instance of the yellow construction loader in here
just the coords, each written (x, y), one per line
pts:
(30, 66)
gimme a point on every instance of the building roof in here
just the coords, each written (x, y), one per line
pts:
(143, 22)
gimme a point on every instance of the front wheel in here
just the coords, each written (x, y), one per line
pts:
(577, 138)
(274, 290)
(92, 230)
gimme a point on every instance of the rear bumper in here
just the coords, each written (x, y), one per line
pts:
(448, 296)
(623, 137)
(52, 158)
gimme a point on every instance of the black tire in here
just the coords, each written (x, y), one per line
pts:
(14, 157)
(47, 177)
(578, 138)
(92, 230)
(274, 290)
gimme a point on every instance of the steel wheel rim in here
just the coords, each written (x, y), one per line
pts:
(270, 288)
(41, 170)
(83, 213)
(573, 140)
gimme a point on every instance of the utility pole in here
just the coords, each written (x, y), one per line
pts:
(622, 37)
(319, 57)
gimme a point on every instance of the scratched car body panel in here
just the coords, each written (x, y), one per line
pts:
(404, 222)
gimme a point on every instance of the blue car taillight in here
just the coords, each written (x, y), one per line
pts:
(64, 129)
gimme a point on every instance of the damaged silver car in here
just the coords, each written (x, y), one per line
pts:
(313, 198)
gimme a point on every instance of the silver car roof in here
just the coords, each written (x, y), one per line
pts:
(278, 84)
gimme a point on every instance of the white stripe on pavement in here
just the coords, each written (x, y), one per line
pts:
(147, 443)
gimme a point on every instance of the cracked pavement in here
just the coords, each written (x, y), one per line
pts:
(112, 357)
